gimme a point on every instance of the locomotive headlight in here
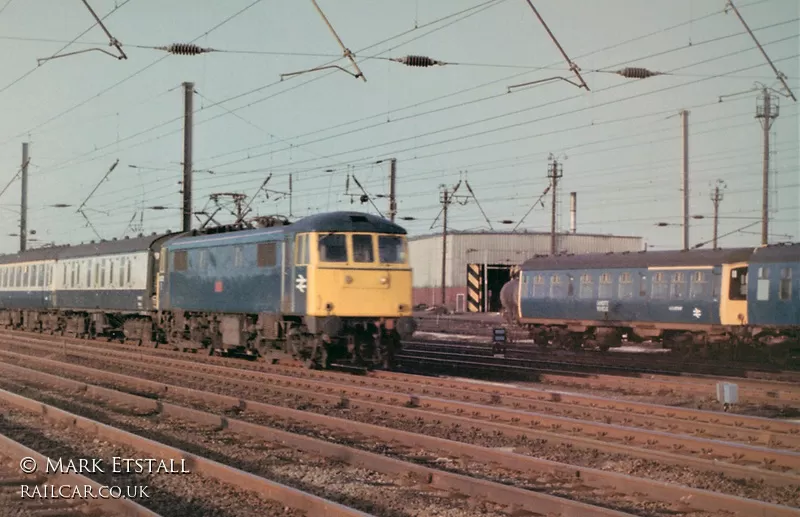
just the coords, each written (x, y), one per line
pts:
(348, 279)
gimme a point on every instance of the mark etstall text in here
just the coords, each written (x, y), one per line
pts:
(117, 466)
(82, 492)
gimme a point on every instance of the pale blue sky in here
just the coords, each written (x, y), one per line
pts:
(622, 139)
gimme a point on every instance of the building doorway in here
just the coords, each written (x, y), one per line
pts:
(484, 283)
(496, 278)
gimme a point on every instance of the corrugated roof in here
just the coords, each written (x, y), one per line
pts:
(523, 233)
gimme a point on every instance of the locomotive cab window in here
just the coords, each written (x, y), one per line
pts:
(391, 250)
(362, 249)
(333, 248)
(738, 284)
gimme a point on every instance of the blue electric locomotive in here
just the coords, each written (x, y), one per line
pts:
(329, 287)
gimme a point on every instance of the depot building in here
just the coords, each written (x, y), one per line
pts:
(478, 264)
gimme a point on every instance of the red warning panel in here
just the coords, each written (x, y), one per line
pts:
(218, 286)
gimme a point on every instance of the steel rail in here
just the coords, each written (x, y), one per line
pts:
(637, 384)
(580, 477)
(425, 476)
(452, 387)
(116, 507)
(404, 406)
(269, 489)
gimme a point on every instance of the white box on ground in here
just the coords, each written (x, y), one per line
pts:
(727, 393)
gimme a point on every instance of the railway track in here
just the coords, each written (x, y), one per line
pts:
(403, 419)
(481, 326)
(21, 492)
(753, 393)
(620, 363)
(594, 363)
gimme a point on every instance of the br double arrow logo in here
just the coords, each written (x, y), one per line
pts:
(301, 283)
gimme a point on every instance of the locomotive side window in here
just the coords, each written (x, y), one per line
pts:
(678, 286)
(738, 284)
(362, 249)
(267, 254)
(180, 262)
(785, 291)
(301, 252)
(391, 250)
(660, 289)
(333, 248)
(238, 256)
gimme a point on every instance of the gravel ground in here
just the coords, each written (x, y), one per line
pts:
(366, 490)
(170, 495)
(536, 448)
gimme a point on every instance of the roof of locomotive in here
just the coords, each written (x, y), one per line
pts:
(327, 222)
(113, 247)
(788, 252)
(641, 259)
(345, 222)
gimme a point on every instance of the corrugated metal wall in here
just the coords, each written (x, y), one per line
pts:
(498, 248)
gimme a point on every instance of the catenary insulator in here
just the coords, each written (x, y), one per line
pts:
(420, 61)
(637, 73)
(185, 49)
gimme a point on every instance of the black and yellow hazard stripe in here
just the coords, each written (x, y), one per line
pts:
(474, 291)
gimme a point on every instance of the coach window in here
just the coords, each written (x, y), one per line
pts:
(678, 287)
(660, 289)
(363, 251)
(332, 248)
(40, 276)
(587, 287)
(539, 287)
(762, 287)
(625, 286)
(698, 289)
(25, 276)
(266, 254)
(556, 287)
(605, 288)
(785, 291)
(122, 263)
(89, 266)
(111, 272)
(128, 272)
(570, 285)
(738, 284)
(34, 275)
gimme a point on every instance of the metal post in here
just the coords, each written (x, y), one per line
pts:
(445, 202)
(392, 193)
(767, 112)
(716, 197)
(554, 174)
(290, 194)
(485, 280)
(573, 211)
(188, 97)
(23, 212)
(685, 178)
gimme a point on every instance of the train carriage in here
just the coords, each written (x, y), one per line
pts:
(683, 298)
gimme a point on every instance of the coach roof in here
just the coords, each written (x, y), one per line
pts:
(102, 248)
(642, 259)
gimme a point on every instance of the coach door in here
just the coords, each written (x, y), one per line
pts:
(733, 298)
